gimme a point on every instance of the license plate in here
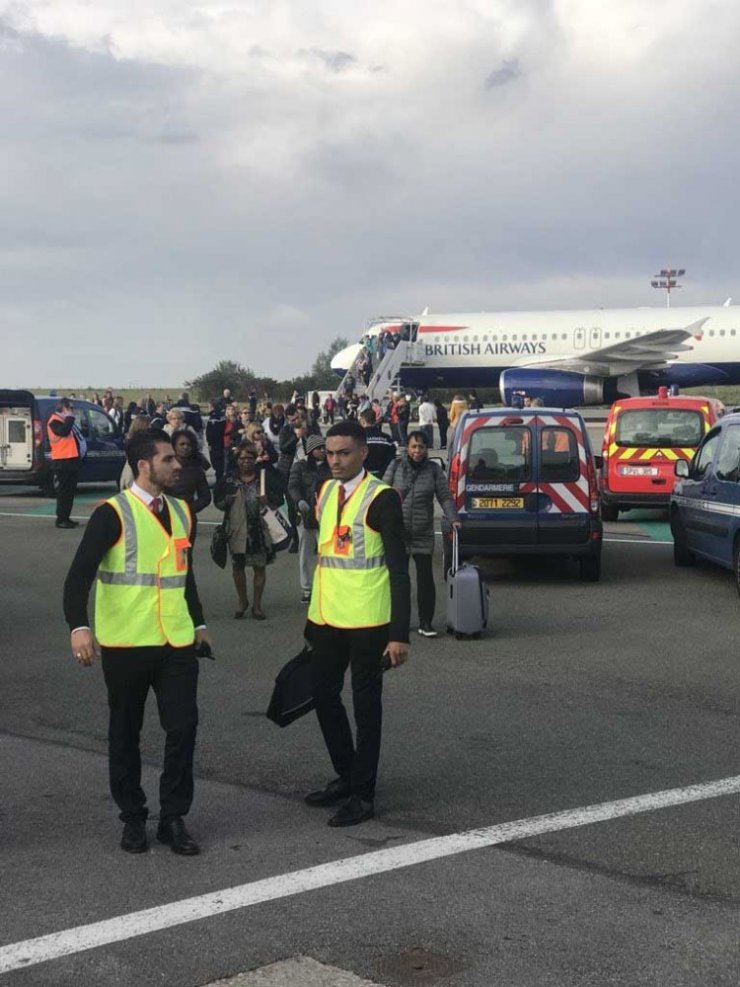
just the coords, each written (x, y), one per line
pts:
(639, 471)
(498, 503)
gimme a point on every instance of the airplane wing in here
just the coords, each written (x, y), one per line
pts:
(653, 351)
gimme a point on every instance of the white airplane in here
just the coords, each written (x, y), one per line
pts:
(568, 358)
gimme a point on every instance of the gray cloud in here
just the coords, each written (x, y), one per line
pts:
(336, 61)
(507, 72)
(198, 212)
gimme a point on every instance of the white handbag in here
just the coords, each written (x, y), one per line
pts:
(276, 525)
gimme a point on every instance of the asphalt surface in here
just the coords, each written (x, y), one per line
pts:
(579, 694)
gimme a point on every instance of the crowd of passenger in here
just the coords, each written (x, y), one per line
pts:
(267, 454)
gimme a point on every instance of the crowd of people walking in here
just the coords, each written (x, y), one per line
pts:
(270, 455)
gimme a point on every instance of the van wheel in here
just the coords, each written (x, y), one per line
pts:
(682, 554)
(590, 568)
(609, 512)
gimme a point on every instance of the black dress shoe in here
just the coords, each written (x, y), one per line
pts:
(334, 792)
(134, 837)
(67, 524)
(355, 810)
(177, 838)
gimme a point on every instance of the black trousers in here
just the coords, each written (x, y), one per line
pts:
(426, 597)
(292, 509)
(443, 436)
(66, 472)
(217, 461)
(173, 675)
(335, 649)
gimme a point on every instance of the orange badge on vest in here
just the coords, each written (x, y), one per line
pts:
(342, 539)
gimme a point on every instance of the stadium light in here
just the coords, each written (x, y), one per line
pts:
(666, 279)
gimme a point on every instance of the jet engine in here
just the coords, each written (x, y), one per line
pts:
(557, 388)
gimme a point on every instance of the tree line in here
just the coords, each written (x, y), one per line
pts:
(241, 380)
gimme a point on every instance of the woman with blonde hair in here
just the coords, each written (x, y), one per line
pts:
(457, 407)
(139, 423)
(266, 451)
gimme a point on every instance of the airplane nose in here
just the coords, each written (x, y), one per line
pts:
(343, 360)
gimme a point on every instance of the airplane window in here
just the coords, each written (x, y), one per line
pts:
(711, 332)
(732, 332)
(564, 335)
(524, 336)
(495, 339)
(607, 335)
(617, 335)
(721, 332)
(475, 339)
(504, 337)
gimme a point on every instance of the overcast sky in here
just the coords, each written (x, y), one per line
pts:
(189, 182)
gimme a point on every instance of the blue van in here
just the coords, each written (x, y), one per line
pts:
(524, 483)
(705, 504)
(25, 456)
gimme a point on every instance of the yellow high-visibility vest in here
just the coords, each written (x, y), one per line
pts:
(140, 594)
(351, 585)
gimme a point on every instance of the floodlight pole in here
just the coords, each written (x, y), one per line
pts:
(667, 280)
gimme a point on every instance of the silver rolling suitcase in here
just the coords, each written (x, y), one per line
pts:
(467, 596)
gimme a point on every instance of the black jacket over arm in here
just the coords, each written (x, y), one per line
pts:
(385, 515)
(102, 532)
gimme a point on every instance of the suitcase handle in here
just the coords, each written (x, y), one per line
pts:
(455, 552)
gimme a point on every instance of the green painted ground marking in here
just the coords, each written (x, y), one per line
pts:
(46, 506)
(654, 524)
(659, 530)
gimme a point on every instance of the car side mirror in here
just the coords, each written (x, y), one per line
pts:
(681, 468)
(85, 428)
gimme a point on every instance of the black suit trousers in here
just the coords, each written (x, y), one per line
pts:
(173, 675)
(425, 592)
(66, 473)
(334, 650)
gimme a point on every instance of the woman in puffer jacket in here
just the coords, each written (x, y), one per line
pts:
(418, 480)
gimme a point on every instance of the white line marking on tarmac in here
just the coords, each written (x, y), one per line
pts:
(24, 954)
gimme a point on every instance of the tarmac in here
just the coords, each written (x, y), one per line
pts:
(579, 696)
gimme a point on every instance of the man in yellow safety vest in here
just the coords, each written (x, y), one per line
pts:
(358, 617)
(148, 620)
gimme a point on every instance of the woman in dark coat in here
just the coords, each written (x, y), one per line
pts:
(192, 485)
(418, 481)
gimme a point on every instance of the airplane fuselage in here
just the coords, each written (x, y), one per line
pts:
(472, 349)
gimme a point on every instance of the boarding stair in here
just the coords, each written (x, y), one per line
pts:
(387, 373)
